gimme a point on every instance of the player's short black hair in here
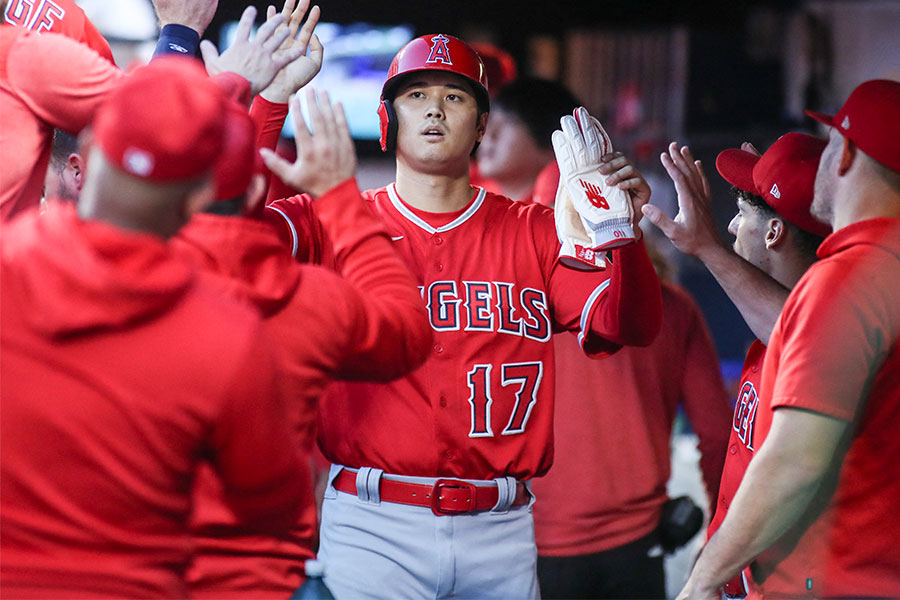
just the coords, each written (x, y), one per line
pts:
(806, 242)
(64, 145)
(538, 104)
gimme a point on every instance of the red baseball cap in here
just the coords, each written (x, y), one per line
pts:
(870, 118)
(784, 176)
(237, 163)
(164, 122)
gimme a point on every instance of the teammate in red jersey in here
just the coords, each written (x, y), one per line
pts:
(829, 405)
(59, 16)
(775, 243)
(122, 368)
(50, 81)
(428, 494)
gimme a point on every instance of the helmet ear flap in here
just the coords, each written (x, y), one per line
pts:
(388, 120)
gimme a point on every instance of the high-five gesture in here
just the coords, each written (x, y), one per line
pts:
(693, 231)
(257, 60)
(300, 71)
(326, 156)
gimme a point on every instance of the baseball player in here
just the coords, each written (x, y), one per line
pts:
(775, 237)
(428, 494)
(50, 81)
(122, 367)
(829, 401)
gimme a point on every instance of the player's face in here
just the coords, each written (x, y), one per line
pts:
(823, 199)
(749, 227)
(508, 150)
(63, 184)
(438, 121)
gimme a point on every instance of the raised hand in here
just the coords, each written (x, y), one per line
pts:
(300, 71)
(326, 157)
(693, 231)
(195, 14)
(257, 60)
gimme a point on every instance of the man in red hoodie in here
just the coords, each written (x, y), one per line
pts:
(122, 368)
(369, 325)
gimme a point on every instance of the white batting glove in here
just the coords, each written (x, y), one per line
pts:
(575, 243)
(605, 211)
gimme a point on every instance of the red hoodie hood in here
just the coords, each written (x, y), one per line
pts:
(67, 276)
(247, 254)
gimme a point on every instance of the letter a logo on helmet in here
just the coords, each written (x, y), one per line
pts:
(439, 52)
(430, 53)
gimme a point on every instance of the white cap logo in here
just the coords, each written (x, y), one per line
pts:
(845, 124)
(775, 191)
(136, 161)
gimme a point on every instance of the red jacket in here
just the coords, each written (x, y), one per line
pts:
(121, 370)
(370, 325)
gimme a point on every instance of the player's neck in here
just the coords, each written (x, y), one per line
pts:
(433, 193)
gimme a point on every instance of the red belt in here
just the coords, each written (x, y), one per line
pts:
(445, 497)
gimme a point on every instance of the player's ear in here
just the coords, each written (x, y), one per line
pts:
(481, 126)
(848, 154)
(775, 233)
(75, 165)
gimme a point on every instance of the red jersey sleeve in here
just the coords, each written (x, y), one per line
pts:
(300, 230)
(621, 306)
(269, 120)
(64, 93)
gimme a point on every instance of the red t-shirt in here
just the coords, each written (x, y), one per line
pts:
(121, 371)
(482, 404)
(613, 428)
(369, 324)
(835, 351)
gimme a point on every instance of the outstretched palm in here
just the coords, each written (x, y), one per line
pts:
(298, 72)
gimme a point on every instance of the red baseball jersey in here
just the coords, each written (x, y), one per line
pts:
(369, 324)
(58, 16)
(46, 81)
(613, 432)
(835, 351)
(482, 404)
(121, 370)
(740, 446)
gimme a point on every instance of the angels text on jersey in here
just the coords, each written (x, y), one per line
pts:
(489, 306)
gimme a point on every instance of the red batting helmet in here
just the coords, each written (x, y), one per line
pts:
(435, 52)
